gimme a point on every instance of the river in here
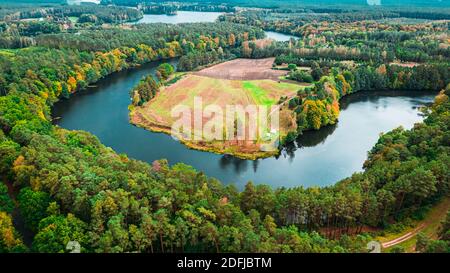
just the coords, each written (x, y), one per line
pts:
(319, 158)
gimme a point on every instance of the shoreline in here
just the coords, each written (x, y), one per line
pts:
(157, 128)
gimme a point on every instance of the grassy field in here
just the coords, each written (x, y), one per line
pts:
(73, 19)
(156, 115)
(259, 94)
(214, 91)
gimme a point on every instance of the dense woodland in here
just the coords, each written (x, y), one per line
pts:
(105, 14)
(68, 186)
(21, 24)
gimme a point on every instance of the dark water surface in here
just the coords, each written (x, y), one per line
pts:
(319, 158)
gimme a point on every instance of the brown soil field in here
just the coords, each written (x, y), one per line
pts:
(243, 69)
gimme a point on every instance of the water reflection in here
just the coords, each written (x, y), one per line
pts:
(238, 165)
(313, 138)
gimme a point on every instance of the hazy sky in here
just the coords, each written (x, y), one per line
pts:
(78, 1)
(374, 2)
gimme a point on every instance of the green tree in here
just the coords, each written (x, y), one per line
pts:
(248, 197)
(165, 70)
(9, 151)
(33, 206)
(397, 249)
(56, 231)
(6, 204)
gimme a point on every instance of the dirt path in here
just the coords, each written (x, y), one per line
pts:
(429, 226)
(403, 238)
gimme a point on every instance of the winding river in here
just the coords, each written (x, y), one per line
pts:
(318, 158)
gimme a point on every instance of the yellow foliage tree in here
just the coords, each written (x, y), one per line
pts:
(231, 39)
(8, 237)
(72, 83)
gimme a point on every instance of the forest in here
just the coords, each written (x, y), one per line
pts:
(110, 14)
(68, 186)
(21, 24)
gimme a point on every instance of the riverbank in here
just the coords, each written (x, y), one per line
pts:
(138, 120)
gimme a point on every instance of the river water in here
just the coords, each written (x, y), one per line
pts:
(319, 158)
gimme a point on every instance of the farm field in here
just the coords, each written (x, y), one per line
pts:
(239, 82)
(243, 69)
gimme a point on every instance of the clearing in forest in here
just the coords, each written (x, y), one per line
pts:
(244, 69)
(238, 82)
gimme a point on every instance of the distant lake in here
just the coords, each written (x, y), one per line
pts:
(180, 17)
(199, 17)
(318, 158)
(78, 2)
(277, 36)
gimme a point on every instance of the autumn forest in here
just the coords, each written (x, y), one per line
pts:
(59, 185)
